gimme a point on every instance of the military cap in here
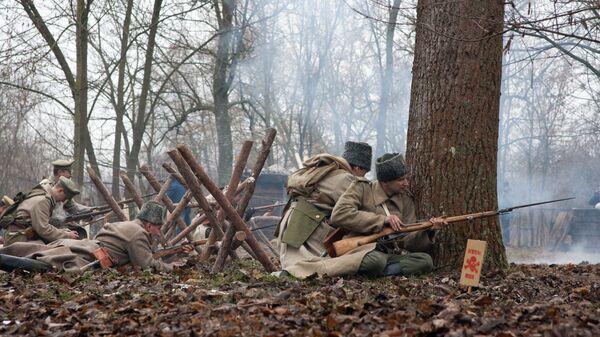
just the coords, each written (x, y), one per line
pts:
(358, 154)
(69, 186)
(153, 212)
(390, 167)
(6, 201)
(62, 163)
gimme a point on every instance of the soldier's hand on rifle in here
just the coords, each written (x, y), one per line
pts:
(187, 249)
(394, 222)
(73, 235)
(438, 223)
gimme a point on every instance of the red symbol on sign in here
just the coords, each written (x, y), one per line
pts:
(472, 264)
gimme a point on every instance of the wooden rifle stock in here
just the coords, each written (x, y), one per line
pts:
(343, 246)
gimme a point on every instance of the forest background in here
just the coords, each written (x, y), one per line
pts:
(124, 81)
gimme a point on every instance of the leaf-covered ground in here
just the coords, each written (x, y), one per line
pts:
(530, 300)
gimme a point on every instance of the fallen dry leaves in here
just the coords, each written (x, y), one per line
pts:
(530, 300)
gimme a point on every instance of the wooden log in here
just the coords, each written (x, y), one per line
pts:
(241, 187)
(196, 189)
(169, 168)
(230, 212)
(258, 166)
(131, 189)
(236, 175)
(237, 240)
(165, 199)
(106, 194)
(195, 223)
(178, 211)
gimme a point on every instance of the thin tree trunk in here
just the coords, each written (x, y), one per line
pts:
(386, 81)
(120, 110)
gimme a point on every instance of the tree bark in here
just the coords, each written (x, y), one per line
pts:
(453, 123)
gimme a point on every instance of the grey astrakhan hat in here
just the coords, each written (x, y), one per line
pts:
(69, 186)
(358, 154)
(390, 167)
(153, 212)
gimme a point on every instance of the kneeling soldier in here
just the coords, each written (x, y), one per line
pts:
(31, 220)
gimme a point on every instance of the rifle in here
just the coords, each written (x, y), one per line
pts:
(336, 246)
(89, 214)
(176, 249)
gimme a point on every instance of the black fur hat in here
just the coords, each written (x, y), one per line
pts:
(390, 167)
(358, 154)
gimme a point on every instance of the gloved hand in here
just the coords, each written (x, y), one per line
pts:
(57, 220)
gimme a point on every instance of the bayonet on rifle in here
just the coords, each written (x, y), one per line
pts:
(338, 247)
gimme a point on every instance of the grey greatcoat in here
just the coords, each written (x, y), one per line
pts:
(305, 225)
(127, 243)
(361, 208)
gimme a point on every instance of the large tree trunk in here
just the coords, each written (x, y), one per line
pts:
(453, 123)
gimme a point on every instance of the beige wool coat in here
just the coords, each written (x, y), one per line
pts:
(35, 213)
(127, 243)
(306, 259)
(361, 209)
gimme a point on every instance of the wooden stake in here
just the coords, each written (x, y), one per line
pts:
(196, 189)
(230, 212)
(238, 169)
(165, 199)
(131, 189)
(258, 166)
(106, 194)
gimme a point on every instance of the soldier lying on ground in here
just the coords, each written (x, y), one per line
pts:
(366, 207)
(313, 191)
(31, 220)
(127, 242)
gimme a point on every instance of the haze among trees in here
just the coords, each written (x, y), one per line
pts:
(115, 84)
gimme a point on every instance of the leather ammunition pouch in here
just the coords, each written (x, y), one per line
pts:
(101, 254)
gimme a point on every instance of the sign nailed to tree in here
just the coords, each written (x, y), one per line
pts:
(471, 270)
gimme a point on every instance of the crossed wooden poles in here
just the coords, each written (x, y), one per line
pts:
(222, 206)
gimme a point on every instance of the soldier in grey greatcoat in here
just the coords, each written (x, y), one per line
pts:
(366, 207)
(313, 191)
(127, 242)
(31, 221)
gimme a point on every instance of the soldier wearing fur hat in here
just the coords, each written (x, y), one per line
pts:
(62, 168)
(358, 155)
(127, 243)
(31, 220)
(313, 191)
(366, 207)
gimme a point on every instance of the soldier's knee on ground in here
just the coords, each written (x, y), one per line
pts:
(409, 264)
(373, 264)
